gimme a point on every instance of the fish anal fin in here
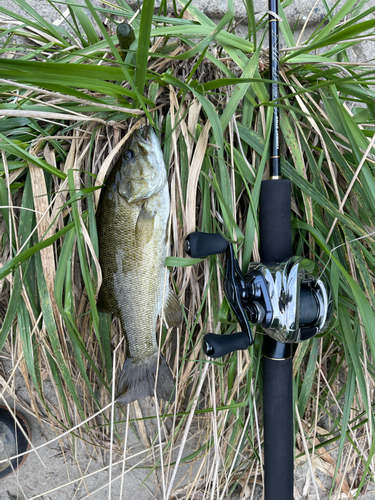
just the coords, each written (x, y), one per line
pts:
(172, 314)
(137, 380)
(144, 227)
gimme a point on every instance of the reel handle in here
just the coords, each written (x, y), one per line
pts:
(200, 245)
(217, 346)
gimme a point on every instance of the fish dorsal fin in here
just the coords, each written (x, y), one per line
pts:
(172, 310)
(144, 227)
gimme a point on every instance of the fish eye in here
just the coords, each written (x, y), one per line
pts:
(128, 155)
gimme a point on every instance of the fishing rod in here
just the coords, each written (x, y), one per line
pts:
(287, 296)
(276, 246)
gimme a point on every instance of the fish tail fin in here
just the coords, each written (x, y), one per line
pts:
(137, 380)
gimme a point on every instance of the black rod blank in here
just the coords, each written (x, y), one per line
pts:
(275, 171)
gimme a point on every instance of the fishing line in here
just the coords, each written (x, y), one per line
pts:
(356, 174)
(341, 245)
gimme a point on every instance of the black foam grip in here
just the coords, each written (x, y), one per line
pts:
(278, 428)
(275, 221)
(216, 346)
(200, 245)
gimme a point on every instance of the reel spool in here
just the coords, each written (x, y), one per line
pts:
(291, 301)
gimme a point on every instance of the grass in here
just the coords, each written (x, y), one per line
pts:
(67, 101)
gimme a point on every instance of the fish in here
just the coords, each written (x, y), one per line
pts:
(132, 220)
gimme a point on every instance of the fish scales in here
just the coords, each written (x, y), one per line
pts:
(132, 228)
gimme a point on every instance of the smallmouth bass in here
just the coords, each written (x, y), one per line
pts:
(132, 220)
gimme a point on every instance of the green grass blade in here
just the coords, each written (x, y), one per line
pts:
(239, 91)
(86, 275)
(285, 27)
(308, 379)
(53, 335)
(117, 55)
(41, 22)
(336, 18)
(249, 4)
(25, 254)
(143, 44)
(12, 148)
(88, 28)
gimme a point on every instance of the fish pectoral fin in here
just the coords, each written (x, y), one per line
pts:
(144, 227)
(172, 314)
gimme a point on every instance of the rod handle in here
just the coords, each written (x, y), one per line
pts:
(275, 221)
(278, 428)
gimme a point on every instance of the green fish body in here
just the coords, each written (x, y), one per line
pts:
(132, 223)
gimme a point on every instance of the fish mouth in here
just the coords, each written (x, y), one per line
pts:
(144, 135)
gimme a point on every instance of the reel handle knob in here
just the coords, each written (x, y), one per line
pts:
(216, 346)
(200, 245)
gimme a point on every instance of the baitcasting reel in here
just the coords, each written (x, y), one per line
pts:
(291, 301)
